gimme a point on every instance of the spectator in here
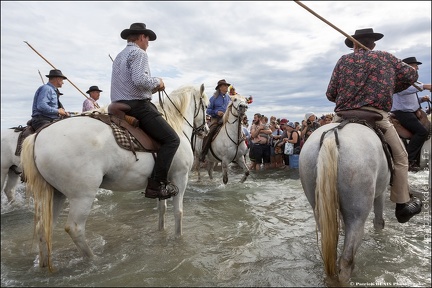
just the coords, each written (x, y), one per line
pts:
(256, 119)
(310, 125)
(261, 149)
(328, 118)
(232, 91)
(275, 158)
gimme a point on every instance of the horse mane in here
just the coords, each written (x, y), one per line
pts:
(178, 99)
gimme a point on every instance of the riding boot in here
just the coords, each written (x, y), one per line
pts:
(205, 148)
(405, 211)
(207, 142)
(160, 189)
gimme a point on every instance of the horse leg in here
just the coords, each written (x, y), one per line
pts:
(225, 172)
(178, 203)
(210, 166)
(9, 188)
(241, 161)
(378, 211)
(75, 224)
(353, 237)
(162, 207)
(197, 166)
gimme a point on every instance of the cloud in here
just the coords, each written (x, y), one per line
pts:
(274, 50)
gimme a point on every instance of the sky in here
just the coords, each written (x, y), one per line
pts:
(276, 51)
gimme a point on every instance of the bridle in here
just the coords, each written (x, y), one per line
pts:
(196, 130)
(238, 114)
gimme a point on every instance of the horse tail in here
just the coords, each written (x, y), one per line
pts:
(327, 203)
(43, 194)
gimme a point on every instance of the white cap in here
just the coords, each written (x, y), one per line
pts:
(309, 114)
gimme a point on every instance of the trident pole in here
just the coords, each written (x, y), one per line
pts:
(345, 34)
(97, 106)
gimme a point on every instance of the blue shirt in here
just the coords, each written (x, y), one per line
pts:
(131, 78)
(218, 103)
(45, 102)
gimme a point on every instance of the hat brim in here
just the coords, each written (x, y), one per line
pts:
(93, 90)
(53, 76)
(418, 63)
(221, 85)
(375, 36)
(126, 32)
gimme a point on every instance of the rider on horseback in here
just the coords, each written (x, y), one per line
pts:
(132, 84)
(216, 109)
(366, 80)
(46, 103)
(405, 105)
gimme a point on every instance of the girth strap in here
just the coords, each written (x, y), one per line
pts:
(378, 132)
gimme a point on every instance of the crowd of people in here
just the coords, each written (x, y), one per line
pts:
(266, 138)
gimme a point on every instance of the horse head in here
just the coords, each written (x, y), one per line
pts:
(201, 128)
(239, 104)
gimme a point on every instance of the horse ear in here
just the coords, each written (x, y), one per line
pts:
(202, 89)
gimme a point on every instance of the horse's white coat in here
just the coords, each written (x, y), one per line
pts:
(359, 183)
(9, 178)
(79, 155)
(229, 144)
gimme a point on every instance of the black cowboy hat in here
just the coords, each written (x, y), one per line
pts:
(93, 88)
(222, 82)
(411, 60)
(363, 33)
(55, 73)
(138, 28)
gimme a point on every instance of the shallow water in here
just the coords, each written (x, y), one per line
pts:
(259, 233)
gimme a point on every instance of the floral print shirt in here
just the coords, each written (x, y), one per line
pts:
(368, 78)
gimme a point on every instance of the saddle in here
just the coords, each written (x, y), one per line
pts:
(126, 129)
(369, 119)
(405, 133)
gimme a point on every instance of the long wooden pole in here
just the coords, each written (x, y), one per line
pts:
(41, 77)
(330, 24)
(96, 105)
(345, 34)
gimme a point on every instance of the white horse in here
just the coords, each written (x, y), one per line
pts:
(348, 181)
(229, 144)
(10, 163)
(75, 157)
